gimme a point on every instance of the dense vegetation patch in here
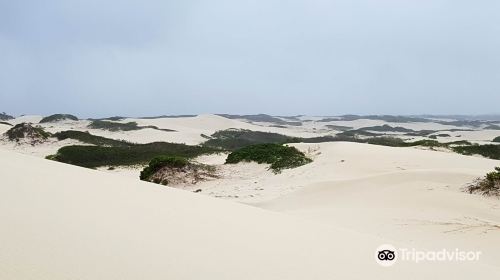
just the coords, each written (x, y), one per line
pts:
(489, 150)
(88, 138)
(27, 131)
(167, 170)
(357, 132)
(387, 128)
(232, 139)
(262, 118)
(96, 156)
(278, 156)
(489, 185)
(115, 118)
(496, 139)
(58, 117)
(162, 161)
(339, 127)
(387, 118)
(117, 126)
(114, 126)
(5, 117)
(168, 117)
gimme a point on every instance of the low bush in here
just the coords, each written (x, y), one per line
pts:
(338, 127)
(25, 130)
(88, 138)
(96, 156)
(278, 156)
(263, 118)
(117, 126)
(387, 128)
(496, 139)
(5, 117)
(58, 117)
(162, 161)
(232, 139)
(489, 150)
(489, 185)
(114, 126)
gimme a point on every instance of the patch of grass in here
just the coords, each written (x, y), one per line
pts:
(117, 126)
(387, 118)
(278, 156)
(232, 139)
(88, 138)
(25, 130)
(424, 132)
(58, 117)
(469, 123)
(496, 139)
(5, 117)
(489, 185)
(387, 128)
(115, 118)
(96, 156)
(493, 127)
(491, 151)
(168, 117)
(262, 118)
(357, 132)
(114, 126)
(339, 127)
(162, 161)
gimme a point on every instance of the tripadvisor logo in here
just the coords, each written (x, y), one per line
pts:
(387, 255)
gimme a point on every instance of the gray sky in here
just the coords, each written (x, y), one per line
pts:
(146, 57)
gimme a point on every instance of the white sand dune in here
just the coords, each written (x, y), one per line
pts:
(189, 129)
(66, 222)
(251, 182)
(408, 195)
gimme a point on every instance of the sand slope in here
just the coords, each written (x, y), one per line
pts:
(409, 195)
(66, 222)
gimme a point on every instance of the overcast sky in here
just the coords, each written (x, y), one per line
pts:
(318, 57)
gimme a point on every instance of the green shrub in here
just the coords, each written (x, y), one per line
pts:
(58, 117)
(387, 141)
(88, 138)
(278, 156)
(232, 139)
(338, 127)
(489, 185)
(5, 117)
(162, 161)
(387, 128)
(491, 151)
(95, 156)
(117, 126)
(114, 126)
(496, 139)
(263, 118)
(493, 127)
(25, 130)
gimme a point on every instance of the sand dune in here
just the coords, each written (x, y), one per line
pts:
(65, 222)
(408, 195)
